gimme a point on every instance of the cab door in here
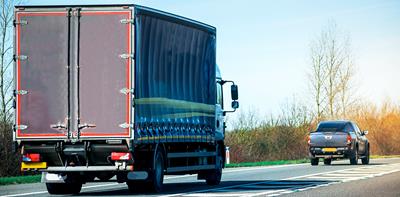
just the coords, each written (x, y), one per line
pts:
(219, 113)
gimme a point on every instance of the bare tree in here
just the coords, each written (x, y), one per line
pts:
(6, 81)
(332, 72)
(346, 74)
(317, 76)
(7, 167)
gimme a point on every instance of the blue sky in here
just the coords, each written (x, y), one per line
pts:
(264, 45)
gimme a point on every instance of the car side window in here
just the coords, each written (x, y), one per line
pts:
(357, 129)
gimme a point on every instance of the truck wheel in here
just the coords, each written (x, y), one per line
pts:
(137, 186)
(314, 161)
(214, 176)
(365, 159)
(64, 188)
(157, 174)
(354, 157)
(327, 161)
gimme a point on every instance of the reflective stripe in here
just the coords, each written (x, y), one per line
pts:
(177, 104)
(187, 115)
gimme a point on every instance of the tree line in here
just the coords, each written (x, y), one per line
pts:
(332, 89)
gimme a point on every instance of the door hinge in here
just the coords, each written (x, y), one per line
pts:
(126, 91)
(127, 21)
(20, 22)
(126, 125)
(21, 92)
(20, 57)
(127, 55)
(21, 127)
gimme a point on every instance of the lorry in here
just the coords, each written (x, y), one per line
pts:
(120, 93)
(338, 139)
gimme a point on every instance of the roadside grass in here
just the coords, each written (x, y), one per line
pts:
(384, 156)
(36, 178)
(20, 179)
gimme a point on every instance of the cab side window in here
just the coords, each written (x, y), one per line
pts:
(220, 98)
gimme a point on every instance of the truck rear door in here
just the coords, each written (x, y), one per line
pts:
(41, 69)
(104, 72)
(73, 72)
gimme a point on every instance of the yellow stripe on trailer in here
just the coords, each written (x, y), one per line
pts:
(33, 165)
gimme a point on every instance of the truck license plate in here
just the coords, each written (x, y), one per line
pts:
(329, 149)
(33, 165)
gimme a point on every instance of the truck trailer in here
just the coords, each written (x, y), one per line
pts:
(120, 93)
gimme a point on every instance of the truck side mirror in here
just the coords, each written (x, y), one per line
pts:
(235, 104)
(365, 132)
(234, 93)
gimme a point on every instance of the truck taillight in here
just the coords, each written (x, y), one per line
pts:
(348, 139)
(309, 140)
(31, 157)
(118, 156)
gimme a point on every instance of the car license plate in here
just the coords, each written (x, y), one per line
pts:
(33, 165)
(329, 149)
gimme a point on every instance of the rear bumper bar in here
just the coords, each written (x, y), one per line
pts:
(50, 177)
(318, 152)
(87, 168)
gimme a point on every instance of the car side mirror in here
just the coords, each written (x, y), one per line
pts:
(365, 132)
(234, 92)
(235, 105)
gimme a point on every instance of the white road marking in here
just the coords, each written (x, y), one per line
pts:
(212, 195)
(338, 176)
(229, 170)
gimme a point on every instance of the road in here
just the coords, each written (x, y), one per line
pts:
(380, 178)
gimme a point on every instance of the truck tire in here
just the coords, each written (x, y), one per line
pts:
(137, 186)
(214, 176)
(354, 157)
(64, 188)
(328, 161)
(157, 173)
(314, 161)
(365, 159)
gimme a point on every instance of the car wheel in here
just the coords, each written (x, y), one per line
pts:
(327, 161)
(314, 161)
(365, 159)
(354, 157)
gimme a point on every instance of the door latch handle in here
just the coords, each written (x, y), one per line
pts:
(86, 125)
(58, 126)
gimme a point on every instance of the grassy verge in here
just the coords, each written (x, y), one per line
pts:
(266, 163)
(20, 179)
(384, 156)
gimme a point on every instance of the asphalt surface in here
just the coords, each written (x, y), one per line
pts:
(380, 178)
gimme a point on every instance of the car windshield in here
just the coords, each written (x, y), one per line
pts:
(331, 127)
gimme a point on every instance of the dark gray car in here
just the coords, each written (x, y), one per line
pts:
(338, 139)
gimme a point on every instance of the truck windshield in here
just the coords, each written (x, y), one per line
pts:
(332, 127)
